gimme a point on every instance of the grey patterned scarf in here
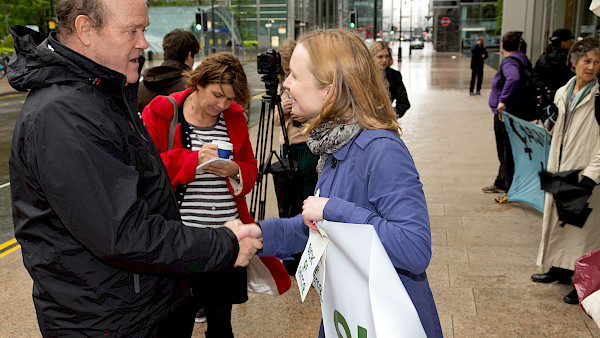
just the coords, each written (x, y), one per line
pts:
(325, 140)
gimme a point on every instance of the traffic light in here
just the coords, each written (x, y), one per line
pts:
(353, 19)
(200, 21)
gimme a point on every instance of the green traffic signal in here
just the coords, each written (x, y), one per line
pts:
(198, 27)
(352, 25)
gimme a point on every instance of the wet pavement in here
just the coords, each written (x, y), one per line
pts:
(483, 252)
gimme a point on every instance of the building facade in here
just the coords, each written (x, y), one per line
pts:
(458, 24)
(539, 18)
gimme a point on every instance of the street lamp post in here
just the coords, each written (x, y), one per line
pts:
(400, 32)
(269, 25)
(411, 29)
(214, 46)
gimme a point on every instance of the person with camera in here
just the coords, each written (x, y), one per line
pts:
(210, 109)
(366, 172)
(575, 146)
(392, 79)
(299, 151)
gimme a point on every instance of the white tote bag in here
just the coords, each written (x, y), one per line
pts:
(362, 295)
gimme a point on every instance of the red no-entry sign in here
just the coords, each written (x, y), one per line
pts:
(445, 21)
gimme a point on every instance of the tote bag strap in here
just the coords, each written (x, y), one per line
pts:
(173, 124)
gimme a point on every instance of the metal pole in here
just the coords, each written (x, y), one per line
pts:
(214, 40)
(375, 30)
(411, 30)
(401, 35)
(232, 37)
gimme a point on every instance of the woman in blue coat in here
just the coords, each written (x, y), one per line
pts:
(366, 173)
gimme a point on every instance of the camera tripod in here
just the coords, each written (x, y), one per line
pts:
(264, 147)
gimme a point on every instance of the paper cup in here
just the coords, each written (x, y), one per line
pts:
(225, 148)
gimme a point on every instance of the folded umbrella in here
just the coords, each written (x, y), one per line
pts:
(570, 196)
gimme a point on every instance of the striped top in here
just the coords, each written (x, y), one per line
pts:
(207, 201)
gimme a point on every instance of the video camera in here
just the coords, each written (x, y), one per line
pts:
(269, 62)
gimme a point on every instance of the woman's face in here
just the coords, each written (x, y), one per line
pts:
(382, 58)
(212, 100)
(587, 67)
(308, 97)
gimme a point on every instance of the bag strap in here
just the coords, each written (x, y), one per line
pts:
(174, 121)
(597, 107)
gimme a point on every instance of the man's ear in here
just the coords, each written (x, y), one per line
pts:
(83, 29)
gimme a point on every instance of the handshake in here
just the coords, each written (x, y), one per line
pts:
(250, 238)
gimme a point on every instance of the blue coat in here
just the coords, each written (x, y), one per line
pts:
(373, 180)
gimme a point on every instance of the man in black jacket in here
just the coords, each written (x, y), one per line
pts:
(93, 207)
(180, 48)
(478, 55)
(552, 68)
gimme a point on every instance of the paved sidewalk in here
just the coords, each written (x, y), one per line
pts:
(483, 252)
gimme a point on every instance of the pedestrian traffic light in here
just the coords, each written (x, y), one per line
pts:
(353, 19)
(200, 21)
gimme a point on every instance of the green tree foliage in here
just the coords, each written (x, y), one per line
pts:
(499, 5)
(20, 12)
(243, 10)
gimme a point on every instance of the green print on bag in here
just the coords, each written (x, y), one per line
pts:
(339, 319)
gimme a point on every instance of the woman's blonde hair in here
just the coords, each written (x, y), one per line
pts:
(341, 59)
(377, 47)
(222, 68)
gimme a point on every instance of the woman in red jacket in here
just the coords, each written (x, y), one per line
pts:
(210, 109)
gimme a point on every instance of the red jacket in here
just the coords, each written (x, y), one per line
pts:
(181, 162)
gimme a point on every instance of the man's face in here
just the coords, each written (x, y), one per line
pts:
(119, 43)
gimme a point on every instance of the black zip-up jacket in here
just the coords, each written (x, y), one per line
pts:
(397, 91)
(93, 208)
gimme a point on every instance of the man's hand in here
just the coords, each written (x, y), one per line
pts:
(250, 238)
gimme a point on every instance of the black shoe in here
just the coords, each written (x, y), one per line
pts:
(572, 297)
(478, 93)
(550, 277)
(471, 93)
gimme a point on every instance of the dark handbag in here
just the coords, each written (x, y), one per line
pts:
(288, 188)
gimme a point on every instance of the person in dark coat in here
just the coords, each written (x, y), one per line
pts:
(93, 208)
(382, 55)
(478, 55)
(552, 68)
(180, 48)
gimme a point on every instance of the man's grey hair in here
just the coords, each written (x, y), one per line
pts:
(68, 10)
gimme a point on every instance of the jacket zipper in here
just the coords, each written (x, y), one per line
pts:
(136, 283)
